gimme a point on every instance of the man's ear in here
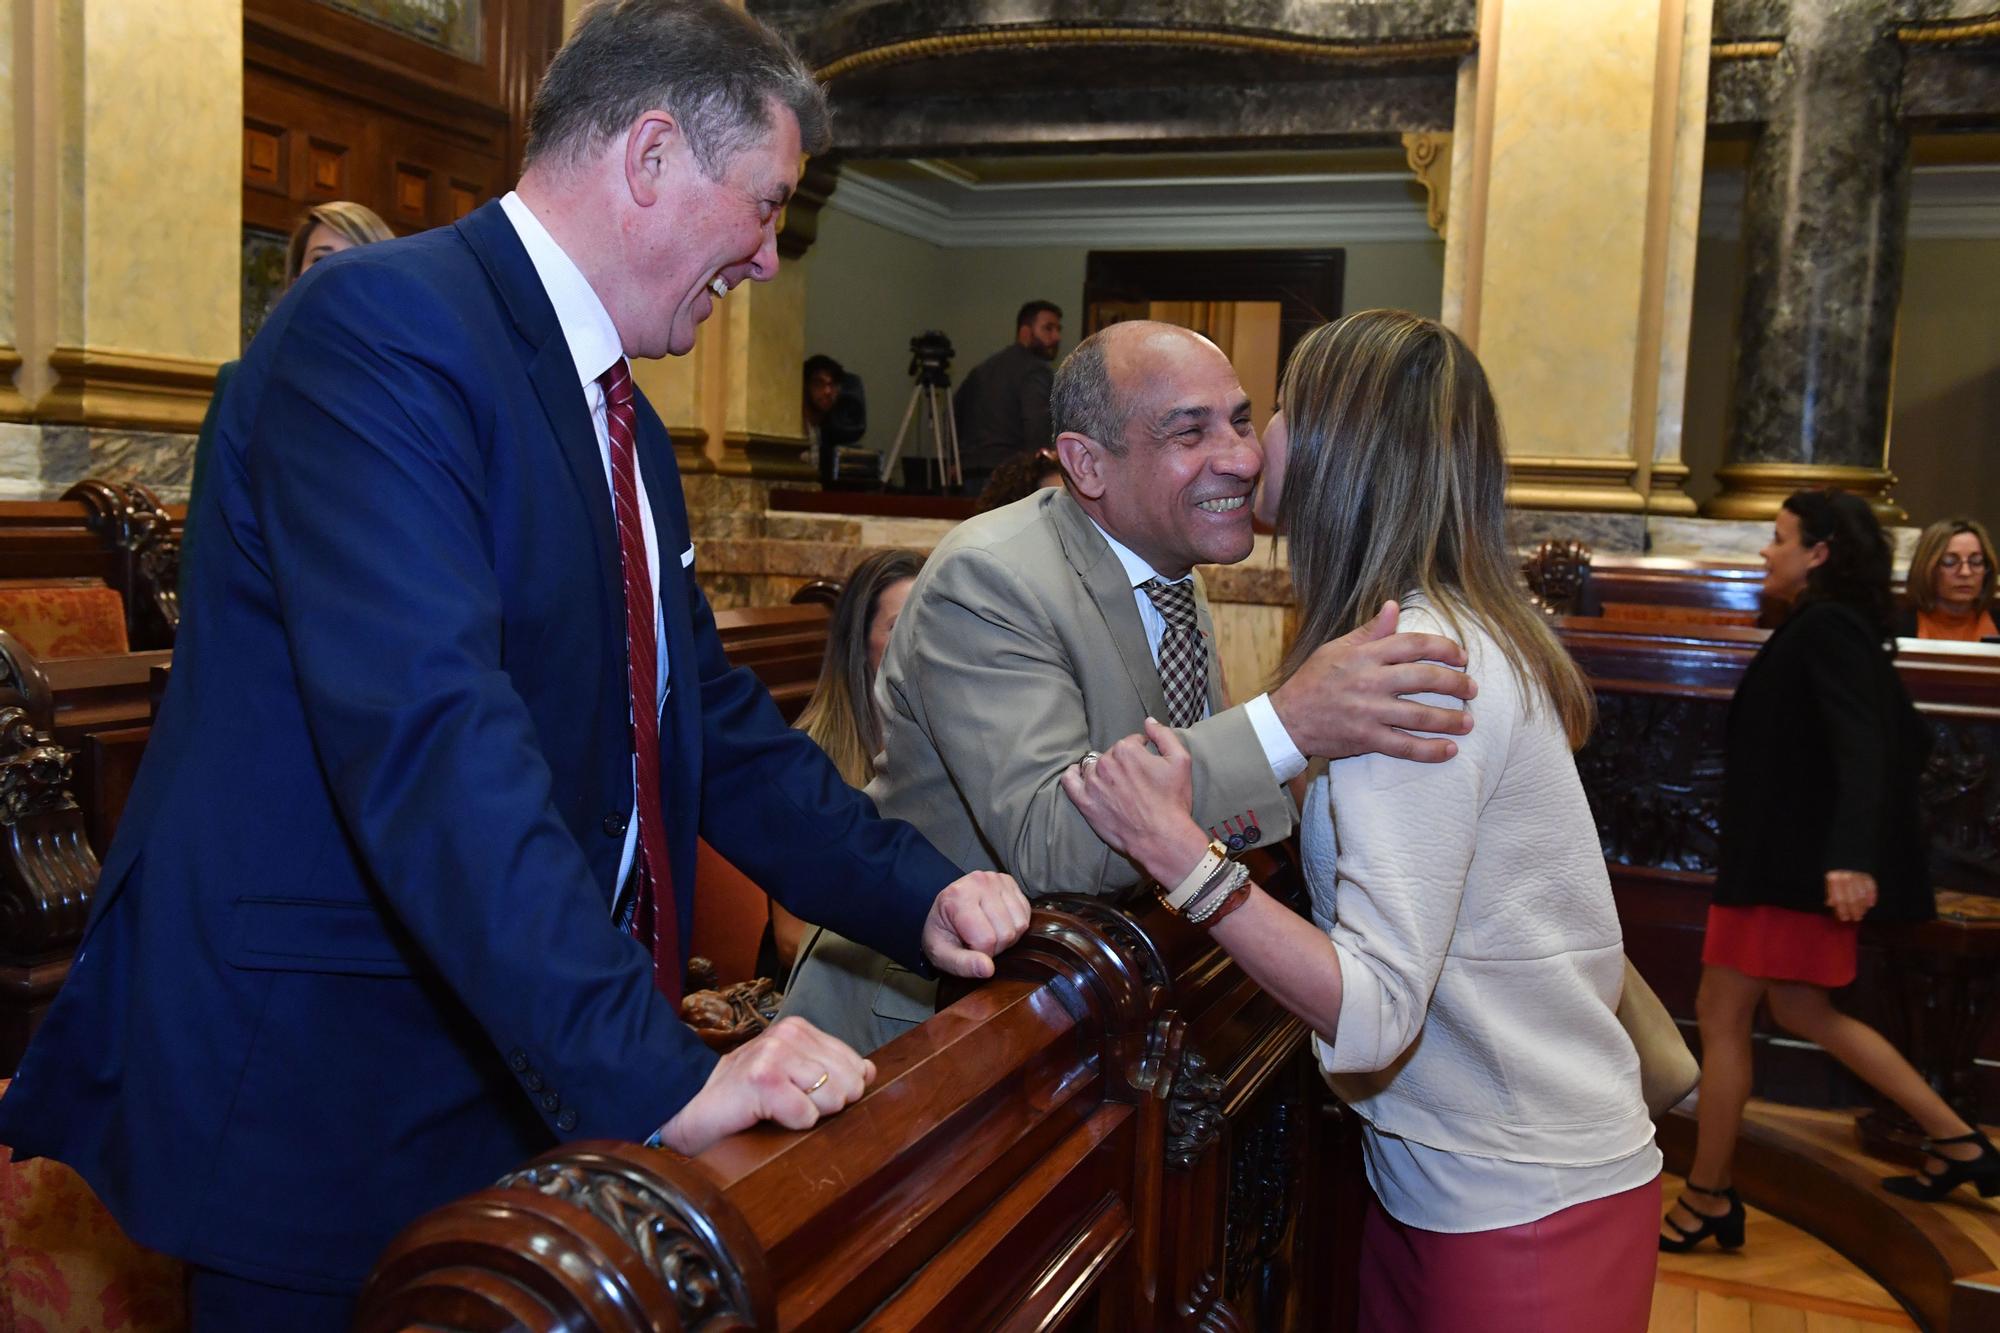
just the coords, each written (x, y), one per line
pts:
(1081, 457)
(651, 146)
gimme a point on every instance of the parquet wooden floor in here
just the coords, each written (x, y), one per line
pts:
(1783, 1280)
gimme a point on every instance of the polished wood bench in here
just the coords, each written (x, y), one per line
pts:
(115, 532)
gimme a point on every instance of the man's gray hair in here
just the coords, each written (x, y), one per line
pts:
(1084, 399)
(715, 68)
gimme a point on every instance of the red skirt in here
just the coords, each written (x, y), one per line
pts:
(1779, 944)
(1586, 1269)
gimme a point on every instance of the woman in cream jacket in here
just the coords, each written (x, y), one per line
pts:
(1462, 969)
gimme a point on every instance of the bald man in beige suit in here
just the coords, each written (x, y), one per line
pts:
(1047, 630)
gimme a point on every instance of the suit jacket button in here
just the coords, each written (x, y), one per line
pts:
(615, 822)
(566, 1121)
(532, 1081)
(518, 1061)
(550, 1101)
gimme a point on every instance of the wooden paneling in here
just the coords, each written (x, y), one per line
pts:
(339, 108)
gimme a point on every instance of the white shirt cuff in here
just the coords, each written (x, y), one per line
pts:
(1283, 756)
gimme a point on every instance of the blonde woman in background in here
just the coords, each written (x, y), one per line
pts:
(1462, 970)
(325, 230)
(1949, 594)
(841, 716)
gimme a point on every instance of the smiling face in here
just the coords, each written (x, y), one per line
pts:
(1960, 573)
(1789, 558)
(1179, 494)
(692, 234)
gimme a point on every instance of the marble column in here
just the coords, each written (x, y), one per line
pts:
(1825, 209)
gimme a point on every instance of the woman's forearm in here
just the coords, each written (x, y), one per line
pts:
(1288, 956)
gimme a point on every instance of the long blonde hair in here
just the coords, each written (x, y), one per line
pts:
(1396, 482)
(840, 717)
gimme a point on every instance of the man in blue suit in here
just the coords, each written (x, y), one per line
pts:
(447, 714)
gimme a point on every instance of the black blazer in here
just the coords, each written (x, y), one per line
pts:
(1824, 753)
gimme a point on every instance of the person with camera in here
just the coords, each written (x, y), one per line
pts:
(1002, 409)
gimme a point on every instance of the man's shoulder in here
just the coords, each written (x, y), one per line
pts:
(1018, 545)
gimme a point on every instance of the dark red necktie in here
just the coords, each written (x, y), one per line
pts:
(655, 918)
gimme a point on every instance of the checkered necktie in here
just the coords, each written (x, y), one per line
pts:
(1183, 656)
(656, 917)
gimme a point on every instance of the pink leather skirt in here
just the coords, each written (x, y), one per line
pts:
(1586, 1269)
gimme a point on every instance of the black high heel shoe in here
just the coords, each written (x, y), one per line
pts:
(1981, 1172)
(1727, 1229)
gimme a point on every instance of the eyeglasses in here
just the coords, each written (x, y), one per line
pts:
(1971, 562)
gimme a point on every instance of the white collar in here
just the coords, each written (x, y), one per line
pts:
(1136, 569)
(586, 324)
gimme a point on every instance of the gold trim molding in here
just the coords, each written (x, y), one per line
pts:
(690, 449)
(1758, 50)
(1941, 33)
(768, 457)
(1669, 495)
(1600, 485)
(14, 406)
(1429, 156)
(1949, 30)
(127, 390)
(1059, 34)
(1756, 490)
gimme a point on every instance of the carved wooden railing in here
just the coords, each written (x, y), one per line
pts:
(1113, 1133)
(130, 520)
(48, 873)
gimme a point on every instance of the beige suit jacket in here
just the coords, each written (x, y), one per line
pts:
(1019, 650)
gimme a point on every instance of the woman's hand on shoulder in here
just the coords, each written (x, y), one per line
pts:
(1136, 797)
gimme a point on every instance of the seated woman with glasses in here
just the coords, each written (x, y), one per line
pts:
(1950, 587)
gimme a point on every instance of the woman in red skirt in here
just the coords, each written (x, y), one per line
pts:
(1820, 827)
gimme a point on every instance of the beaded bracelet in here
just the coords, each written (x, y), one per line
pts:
(1205, 910)
(1235, 900)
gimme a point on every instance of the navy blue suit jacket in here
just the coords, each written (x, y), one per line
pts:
(352, 954)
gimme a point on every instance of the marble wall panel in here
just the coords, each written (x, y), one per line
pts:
(161, 107)
(1566, 222)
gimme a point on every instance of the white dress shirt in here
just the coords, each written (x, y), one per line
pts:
(1279, 750)
(594, 343)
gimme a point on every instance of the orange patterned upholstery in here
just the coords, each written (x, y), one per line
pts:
(65, 1267)
(63, 617)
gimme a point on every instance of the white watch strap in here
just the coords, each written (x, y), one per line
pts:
(1210, 862)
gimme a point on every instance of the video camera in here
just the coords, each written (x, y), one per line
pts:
(930, 358)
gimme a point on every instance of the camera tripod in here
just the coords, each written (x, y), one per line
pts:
(931, 394)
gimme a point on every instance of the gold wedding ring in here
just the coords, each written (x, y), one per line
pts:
(824, 1075)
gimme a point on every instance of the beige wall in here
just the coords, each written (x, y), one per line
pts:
(1944, 437)
(870, 289)
(156, 114)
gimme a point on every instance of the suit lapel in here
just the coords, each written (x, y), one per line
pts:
(552, 372)
(1092, 558)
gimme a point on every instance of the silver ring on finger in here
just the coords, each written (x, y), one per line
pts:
(1091, 757)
